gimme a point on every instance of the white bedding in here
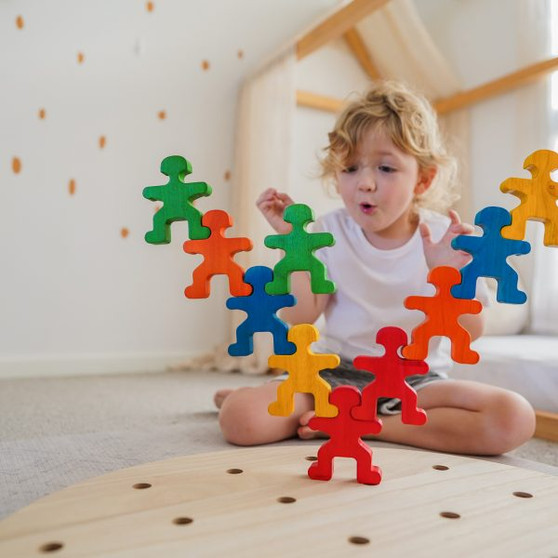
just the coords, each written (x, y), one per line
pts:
(527, 364)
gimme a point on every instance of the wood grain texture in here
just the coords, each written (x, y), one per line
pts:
(201, 505)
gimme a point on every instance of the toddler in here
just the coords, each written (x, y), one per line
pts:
(395, 179)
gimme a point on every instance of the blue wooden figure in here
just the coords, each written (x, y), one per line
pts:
(261, 309)
(299, 246)
(490, 252)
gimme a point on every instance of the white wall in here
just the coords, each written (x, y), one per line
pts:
(75, 295)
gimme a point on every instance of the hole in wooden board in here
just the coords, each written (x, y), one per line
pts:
(450, 515)
(51, 547)
(183, 521)
(359, 540)
(234, 471)
(440, 467)
(286, 500)
(141, 485)
(311, 458)
(520, 494)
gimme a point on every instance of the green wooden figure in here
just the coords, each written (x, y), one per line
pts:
(177, 197)
(299, 246)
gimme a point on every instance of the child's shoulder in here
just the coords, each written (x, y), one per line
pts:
(338, 219)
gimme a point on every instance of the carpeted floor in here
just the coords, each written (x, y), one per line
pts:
(55, 432)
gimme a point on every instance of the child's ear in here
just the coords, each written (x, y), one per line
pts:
(426, 177)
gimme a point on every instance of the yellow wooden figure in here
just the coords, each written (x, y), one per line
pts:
(303, 367)
(538, 196)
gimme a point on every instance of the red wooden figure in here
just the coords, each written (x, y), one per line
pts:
(345, 438)
(442, 312)
(218, 252)
(390, 371)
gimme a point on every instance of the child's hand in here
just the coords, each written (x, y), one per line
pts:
(441, 253)
(272, 204)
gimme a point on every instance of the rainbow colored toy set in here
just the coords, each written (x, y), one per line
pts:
(346, 413)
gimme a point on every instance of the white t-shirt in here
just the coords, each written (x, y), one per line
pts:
(372, 285)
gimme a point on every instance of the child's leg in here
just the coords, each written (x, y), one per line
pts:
(245, 421)
(463, 417)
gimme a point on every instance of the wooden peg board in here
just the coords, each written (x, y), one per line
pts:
(260, 502)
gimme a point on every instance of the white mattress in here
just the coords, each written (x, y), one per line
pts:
(527, 364)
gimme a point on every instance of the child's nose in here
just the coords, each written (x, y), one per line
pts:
(366, 182)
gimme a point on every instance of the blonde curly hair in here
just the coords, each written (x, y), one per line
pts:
(411, 123)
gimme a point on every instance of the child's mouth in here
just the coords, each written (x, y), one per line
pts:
(367, 208)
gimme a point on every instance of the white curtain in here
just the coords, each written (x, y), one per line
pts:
(264, 127)
(534, 46)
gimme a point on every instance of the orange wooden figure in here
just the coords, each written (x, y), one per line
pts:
(538, 196)
(442, 312)
(218, 252)
(303, 367)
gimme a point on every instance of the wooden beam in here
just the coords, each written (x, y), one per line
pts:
(354, 40)
(547, 426)
(460, 100)
(496, 87)
(319, 102)
(336, 25)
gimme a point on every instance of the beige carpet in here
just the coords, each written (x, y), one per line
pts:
(55, 432)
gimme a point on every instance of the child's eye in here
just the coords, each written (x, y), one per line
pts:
(350, 168)
(386, 168)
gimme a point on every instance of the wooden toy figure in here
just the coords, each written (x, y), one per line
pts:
(538, 196)
(345, 438)
(442, 313)
(303, 367)
(218, 252)
(490, 252)
(261, 310)
(299, 246)
(390, 371)
(177, 197)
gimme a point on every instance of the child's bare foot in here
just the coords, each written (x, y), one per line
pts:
(304, 432)
(220, 396)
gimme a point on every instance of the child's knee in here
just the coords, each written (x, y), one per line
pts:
(510, 422)
(242, 418)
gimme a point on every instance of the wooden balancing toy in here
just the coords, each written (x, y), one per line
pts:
(255, 501)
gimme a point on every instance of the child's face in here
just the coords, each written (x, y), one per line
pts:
(378, 186)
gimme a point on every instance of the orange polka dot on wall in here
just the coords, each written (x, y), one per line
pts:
(72, 187)
(80, 57)
(16, 165)
(42, 113)
(20, 23)
(227, 175)
(205, 65)
(102, 142)
(162, 114)
(149, 6)
(124, 232)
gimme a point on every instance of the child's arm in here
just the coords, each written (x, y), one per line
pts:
(474, 324)
(442, 253)
(309, 306)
